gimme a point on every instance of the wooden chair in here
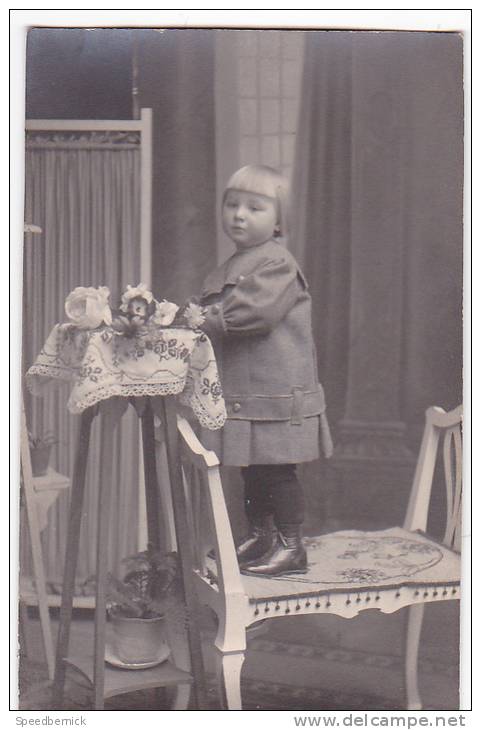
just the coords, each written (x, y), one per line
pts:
(38, 494)
(349, 571)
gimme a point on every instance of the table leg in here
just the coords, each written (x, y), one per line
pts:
(150, 477)
(71, 555)
(110, 411)
(184, 546)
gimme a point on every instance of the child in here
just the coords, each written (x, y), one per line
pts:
(258, 315)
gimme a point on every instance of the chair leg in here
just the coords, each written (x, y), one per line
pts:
(228, 675)
(414, 625)
(230, 646)
(175, 623)
(25, 630)
(181, 697)
(184, 548)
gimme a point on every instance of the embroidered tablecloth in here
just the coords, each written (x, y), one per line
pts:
(102, 363)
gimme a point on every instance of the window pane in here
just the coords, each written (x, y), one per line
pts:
(270, 116)
(292, 44)
(288, 145)
(247, 76)
(246, 41)
(289, 115)
(270, 151)
(270, 73)
(249, 153)
(248, 116)
(269, 43)
(291, 78)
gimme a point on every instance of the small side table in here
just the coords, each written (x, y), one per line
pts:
(107, 681)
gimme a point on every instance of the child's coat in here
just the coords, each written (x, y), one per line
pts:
(259, 318)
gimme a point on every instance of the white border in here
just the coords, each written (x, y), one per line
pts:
(383, 18)
(380, 19)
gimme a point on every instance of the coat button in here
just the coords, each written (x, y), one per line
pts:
(215, 309)
(236, 407)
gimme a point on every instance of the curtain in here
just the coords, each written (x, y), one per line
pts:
(378, 230)
(320, 238)
(176, 80)
(87, 204)
(378, 219)
(321, 202)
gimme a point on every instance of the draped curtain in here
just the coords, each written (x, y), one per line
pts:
(322, 202)
(85, 197)
(378, 218)
(321, 220)
(176, 79)
(378, 229)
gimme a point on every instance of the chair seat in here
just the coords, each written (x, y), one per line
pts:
(348, 572)
(352, 562)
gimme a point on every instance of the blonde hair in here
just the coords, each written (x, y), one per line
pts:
(264, 180)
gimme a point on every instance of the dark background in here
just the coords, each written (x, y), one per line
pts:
(73, 73)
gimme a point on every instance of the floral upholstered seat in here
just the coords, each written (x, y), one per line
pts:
(360, 567)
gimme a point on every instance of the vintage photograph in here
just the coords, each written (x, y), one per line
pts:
(242, 357)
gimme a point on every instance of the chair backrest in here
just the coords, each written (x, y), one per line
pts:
(207, 513)
(444, 428)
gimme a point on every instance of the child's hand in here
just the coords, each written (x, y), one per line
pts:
(191, 313)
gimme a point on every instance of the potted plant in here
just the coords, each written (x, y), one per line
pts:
(40, 447)
(137, 603)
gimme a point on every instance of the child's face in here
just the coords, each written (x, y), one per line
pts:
(248, 218)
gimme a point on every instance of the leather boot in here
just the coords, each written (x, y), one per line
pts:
(287, 555)
(257, 543)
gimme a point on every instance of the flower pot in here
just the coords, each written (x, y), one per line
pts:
(39, 458)
(138, 640)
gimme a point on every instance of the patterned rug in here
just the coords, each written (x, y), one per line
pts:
(257, 696)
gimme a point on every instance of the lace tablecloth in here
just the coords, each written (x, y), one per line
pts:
(102, 363)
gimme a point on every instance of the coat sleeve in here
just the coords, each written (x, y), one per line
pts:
(256, 303)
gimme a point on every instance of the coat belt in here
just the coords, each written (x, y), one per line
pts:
(293, 407)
